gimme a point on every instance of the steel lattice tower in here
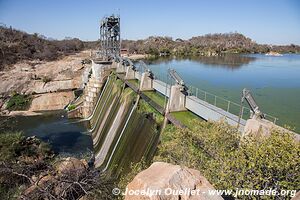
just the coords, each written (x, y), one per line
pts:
(110, 41)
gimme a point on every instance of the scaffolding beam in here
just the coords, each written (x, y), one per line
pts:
(110, 40)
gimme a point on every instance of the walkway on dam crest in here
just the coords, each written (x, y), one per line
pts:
(156, 106)
(177, 96)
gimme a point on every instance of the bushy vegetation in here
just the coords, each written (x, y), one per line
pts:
(231, 162)
(30, 170)
(20, 159)
(210, 44)
(71, 107)
(16, 45)
(19, 102)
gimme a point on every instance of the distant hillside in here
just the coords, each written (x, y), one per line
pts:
(17, 45)
(205, 45)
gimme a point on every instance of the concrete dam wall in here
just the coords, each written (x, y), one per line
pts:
(123, 127)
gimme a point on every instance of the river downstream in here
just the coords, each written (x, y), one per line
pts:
(64, 136)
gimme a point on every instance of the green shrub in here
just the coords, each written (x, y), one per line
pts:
(46, 79)
(228, 162)
(10, 145)
(19, 102)
(71, 107)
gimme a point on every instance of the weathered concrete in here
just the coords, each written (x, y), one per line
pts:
(176, 100)
(263, 127)
(210, 112)
(129, 73)
(120, 68)
(146, 82)
(258, 126)
(91, 94)
(100, 71)
(114, 65)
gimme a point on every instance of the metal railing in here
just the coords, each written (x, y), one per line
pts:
(227, 105)
(220, 102)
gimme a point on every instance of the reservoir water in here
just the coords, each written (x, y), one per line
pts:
(274, 81)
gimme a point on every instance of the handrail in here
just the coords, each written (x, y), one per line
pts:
(228, 102)
(215, 100)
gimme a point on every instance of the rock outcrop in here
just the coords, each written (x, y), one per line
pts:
(297, 196)
(169, 182)
(51, 101)
(71, 164)
(50, 83)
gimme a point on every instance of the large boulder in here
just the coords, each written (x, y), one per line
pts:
(160, 179)
(71, 165)
(297, 196)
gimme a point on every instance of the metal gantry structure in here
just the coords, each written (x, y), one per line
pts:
(110, 39)
(110, 48)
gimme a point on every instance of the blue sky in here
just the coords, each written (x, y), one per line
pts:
(265, 21)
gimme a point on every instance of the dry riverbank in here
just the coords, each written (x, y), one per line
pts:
(50, 83)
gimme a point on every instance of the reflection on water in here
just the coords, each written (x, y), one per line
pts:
(54, 128)
(230, 61)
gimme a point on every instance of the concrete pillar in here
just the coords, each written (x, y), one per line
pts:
(96, 68)
(114, 65)
(129, 73)
(258, 127)
(120, 68)
(100, 70)
(263, 127)
(177, 99)
(146, 82)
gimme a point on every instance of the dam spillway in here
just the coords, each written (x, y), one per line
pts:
(122, 130)
(125, 121)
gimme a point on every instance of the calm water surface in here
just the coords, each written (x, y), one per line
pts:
(274, 81)
(55, 128)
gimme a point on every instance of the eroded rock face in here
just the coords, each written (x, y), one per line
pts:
(51, 101)
(168, 178)
(51, 83)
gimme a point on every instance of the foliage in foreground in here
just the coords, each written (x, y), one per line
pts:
(29, 170)
(230, 163)
(20, 159)
(135, 168)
